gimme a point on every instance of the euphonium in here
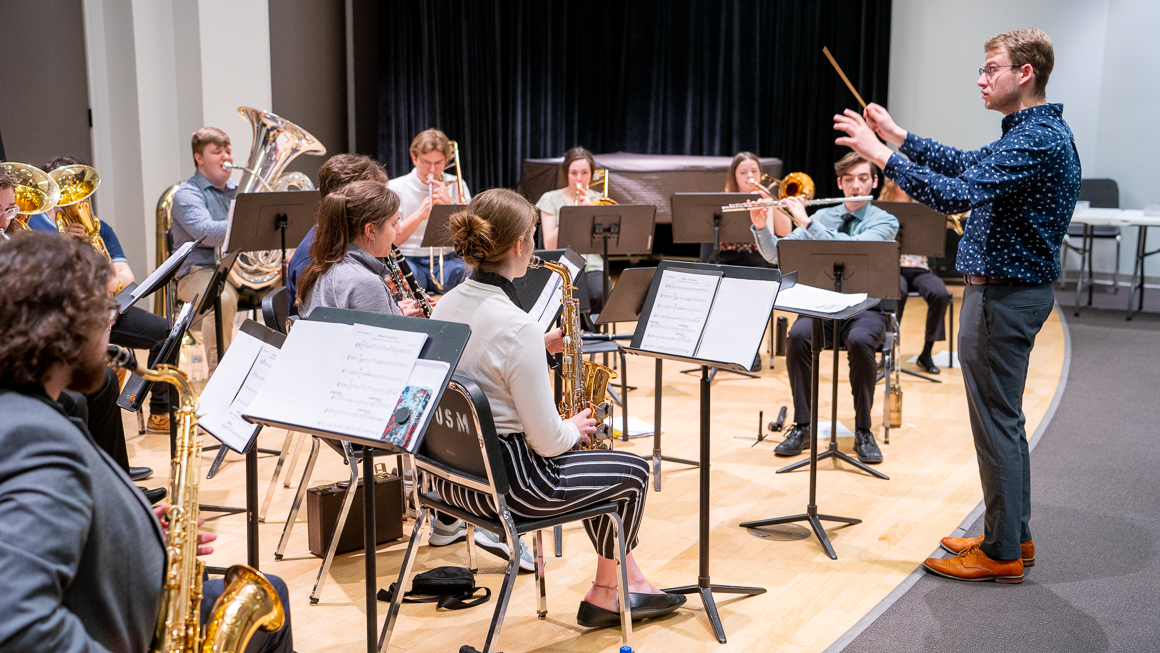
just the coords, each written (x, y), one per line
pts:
(585, 382)
(77, 185)
(36, 192)
(249, 602)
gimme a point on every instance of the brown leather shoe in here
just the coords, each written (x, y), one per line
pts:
(974, 565)
(159, 423)
(957, 545)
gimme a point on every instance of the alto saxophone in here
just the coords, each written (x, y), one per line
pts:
(585, 382)
(249, 601)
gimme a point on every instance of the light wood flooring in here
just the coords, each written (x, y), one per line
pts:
(811, 600)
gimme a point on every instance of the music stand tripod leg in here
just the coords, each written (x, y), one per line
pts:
(657, 457)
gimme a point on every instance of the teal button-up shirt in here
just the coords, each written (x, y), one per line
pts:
(871, 223)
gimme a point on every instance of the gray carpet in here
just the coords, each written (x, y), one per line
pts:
(1095, 519)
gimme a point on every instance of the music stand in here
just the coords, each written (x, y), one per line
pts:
(698, 218)
(922, 232)
(262, 221)
(704, 587)
(622, 229)
(531, 287)
(160, 278)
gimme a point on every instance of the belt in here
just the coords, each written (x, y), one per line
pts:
(977, 280)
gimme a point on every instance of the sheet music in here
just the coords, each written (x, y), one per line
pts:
(147, 286)
(679, 312)
(236, 432)
(737, 320)
(214, 401)
(544, 311)
(809, 298)
(310, 363)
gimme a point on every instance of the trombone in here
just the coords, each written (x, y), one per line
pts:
(430, 202)
(36, 192)
(599, 177)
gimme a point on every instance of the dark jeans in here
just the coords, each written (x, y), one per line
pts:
(750, 259)
(934, 292)
(140, 329)
(279, 641)
(454, 271)
(997, 329)
(862, 334)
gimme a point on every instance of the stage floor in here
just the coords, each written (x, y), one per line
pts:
(811, 600)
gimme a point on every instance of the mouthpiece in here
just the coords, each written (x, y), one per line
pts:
(536, 262)
(121, 358)
(430, 177)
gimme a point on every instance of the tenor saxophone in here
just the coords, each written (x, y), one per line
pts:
(249, 601)
(585, 382)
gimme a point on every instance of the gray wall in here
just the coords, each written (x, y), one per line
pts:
(44, 99)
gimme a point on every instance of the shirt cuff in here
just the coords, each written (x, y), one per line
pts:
(911, 145)
(893, 166)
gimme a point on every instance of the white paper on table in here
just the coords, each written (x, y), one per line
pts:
(234, 431)
(737, 321)
(679, 312)
(214, 401)
(373, 373)
(427, 375)
(309, 365)
(809, 298)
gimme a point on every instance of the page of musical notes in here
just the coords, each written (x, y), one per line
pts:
(679, 312)
(548, 302)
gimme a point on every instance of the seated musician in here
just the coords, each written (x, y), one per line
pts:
(82, 554)
(495, 236)
(8, 207)
(574, 177)
(338, 171)
(864, 333)
(745, 167)
(915, 274)
(418, 190)
(201, 207)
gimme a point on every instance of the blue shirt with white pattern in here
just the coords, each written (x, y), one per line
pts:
(201, 209)
(1021, 190)
(870, 223)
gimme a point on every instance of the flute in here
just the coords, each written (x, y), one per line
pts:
(764, 204)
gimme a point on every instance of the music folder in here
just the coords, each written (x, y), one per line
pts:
(130, 294)
(239, 376)
(136, 387)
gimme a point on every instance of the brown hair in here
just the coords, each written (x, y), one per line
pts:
(60, 162)
(6, 179)
(849, 161)
(731, 180)
(493, 223)
(575, 154)
(1028, 46)
(54, 300)
(892, 193)
(206, 136)
(342, 169)
(342, 216)
(430, 140)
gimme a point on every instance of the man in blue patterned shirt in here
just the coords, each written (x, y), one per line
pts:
(1022, 191)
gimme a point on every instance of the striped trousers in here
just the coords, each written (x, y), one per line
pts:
(542, 487)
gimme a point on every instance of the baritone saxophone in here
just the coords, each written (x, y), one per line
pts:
(249, 601)
(585, 383)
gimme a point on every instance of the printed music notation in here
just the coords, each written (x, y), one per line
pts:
(234, 385)
(679, 311)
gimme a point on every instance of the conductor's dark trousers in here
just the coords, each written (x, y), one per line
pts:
(998, 325)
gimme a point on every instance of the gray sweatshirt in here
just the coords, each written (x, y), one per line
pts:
(357, 282)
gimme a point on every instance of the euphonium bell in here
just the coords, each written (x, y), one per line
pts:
(77, 184)
(36, 192)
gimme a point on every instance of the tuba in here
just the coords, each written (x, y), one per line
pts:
(77, 185)
(585, 382)
(277, 142)
(249, 602)
(36, 192)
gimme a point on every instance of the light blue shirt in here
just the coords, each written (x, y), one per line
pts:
(201, 209)
(871, 223)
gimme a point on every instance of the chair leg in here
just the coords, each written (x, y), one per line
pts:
(293, 516)
(140, 421)
(401, 583)
(622, 567)
(347, 500)
(472, 563)
(558, 539)
(509, 582)
(293, 461)
(277, 472)
(1116, 270)
(541, 579)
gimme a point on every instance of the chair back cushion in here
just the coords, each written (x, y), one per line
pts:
(275, 308)
(1102, 193)
(461, 437)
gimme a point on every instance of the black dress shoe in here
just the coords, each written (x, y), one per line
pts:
(140, 473)
(927, 363)
(866, 448)
(792, 445)
(644, 606)
(155, 495)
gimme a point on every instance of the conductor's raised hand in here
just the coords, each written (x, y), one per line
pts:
(860, 138)
(878, 119)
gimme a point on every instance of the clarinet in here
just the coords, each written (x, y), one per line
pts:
(410, 288)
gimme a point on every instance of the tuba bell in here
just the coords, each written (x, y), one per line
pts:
(36, 192)
(77, 184)
(277, 142)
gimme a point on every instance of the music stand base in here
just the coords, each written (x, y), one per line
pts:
(227, 510)
(815, 521)
(706, 589)
(713, 373)
(833, 452)
(921, 376)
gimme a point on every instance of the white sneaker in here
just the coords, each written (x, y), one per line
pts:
(491, 543)
(444, 534)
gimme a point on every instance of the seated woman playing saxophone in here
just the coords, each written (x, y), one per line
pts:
(494, 236)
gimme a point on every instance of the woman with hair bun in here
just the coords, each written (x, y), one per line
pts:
(505, 357)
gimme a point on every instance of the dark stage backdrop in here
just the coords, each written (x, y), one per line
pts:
(513, 79)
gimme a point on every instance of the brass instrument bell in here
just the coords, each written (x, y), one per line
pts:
(795, 184)
(77, 184)
(36, 192)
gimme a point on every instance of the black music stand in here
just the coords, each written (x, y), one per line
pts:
(704, 587)
(622, 229)
(849, 266)
(262, 221)
(922, 232)
(534, 283)
(445, 342)
(160, 278)
(437, 232)
(698, 218)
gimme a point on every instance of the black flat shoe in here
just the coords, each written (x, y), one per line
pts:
(592, 616)
(140, 473)
(155, 495)
(644, 606)
(927, 363)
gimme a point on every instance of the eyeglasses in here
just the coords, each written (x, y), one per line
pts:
(989, 71)
(10, 212)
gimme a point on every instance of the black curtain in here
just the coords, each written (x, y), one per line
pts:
(516, 79)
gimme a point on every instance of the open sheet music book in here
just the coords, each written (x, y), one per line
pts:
(702, 314)
(233, 386)
(351, 380)
(547, 306)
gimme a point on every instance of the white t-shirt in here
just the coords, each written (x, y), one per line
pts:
(505, 357)
(552, 201)
(412, 191)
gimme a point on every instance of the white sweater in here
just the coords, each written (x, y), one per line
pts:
(505, 357)
(412, 191)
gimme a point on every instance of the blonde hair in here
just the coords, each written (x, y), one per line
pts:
(493, 223)
(431, 140)
(1028, 46)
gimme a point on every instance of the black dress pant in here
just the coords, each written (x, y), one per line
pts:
(997, 329)
(279, 641)
(862, 334)
(934, 292)
(104, 419)
(140, 329)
